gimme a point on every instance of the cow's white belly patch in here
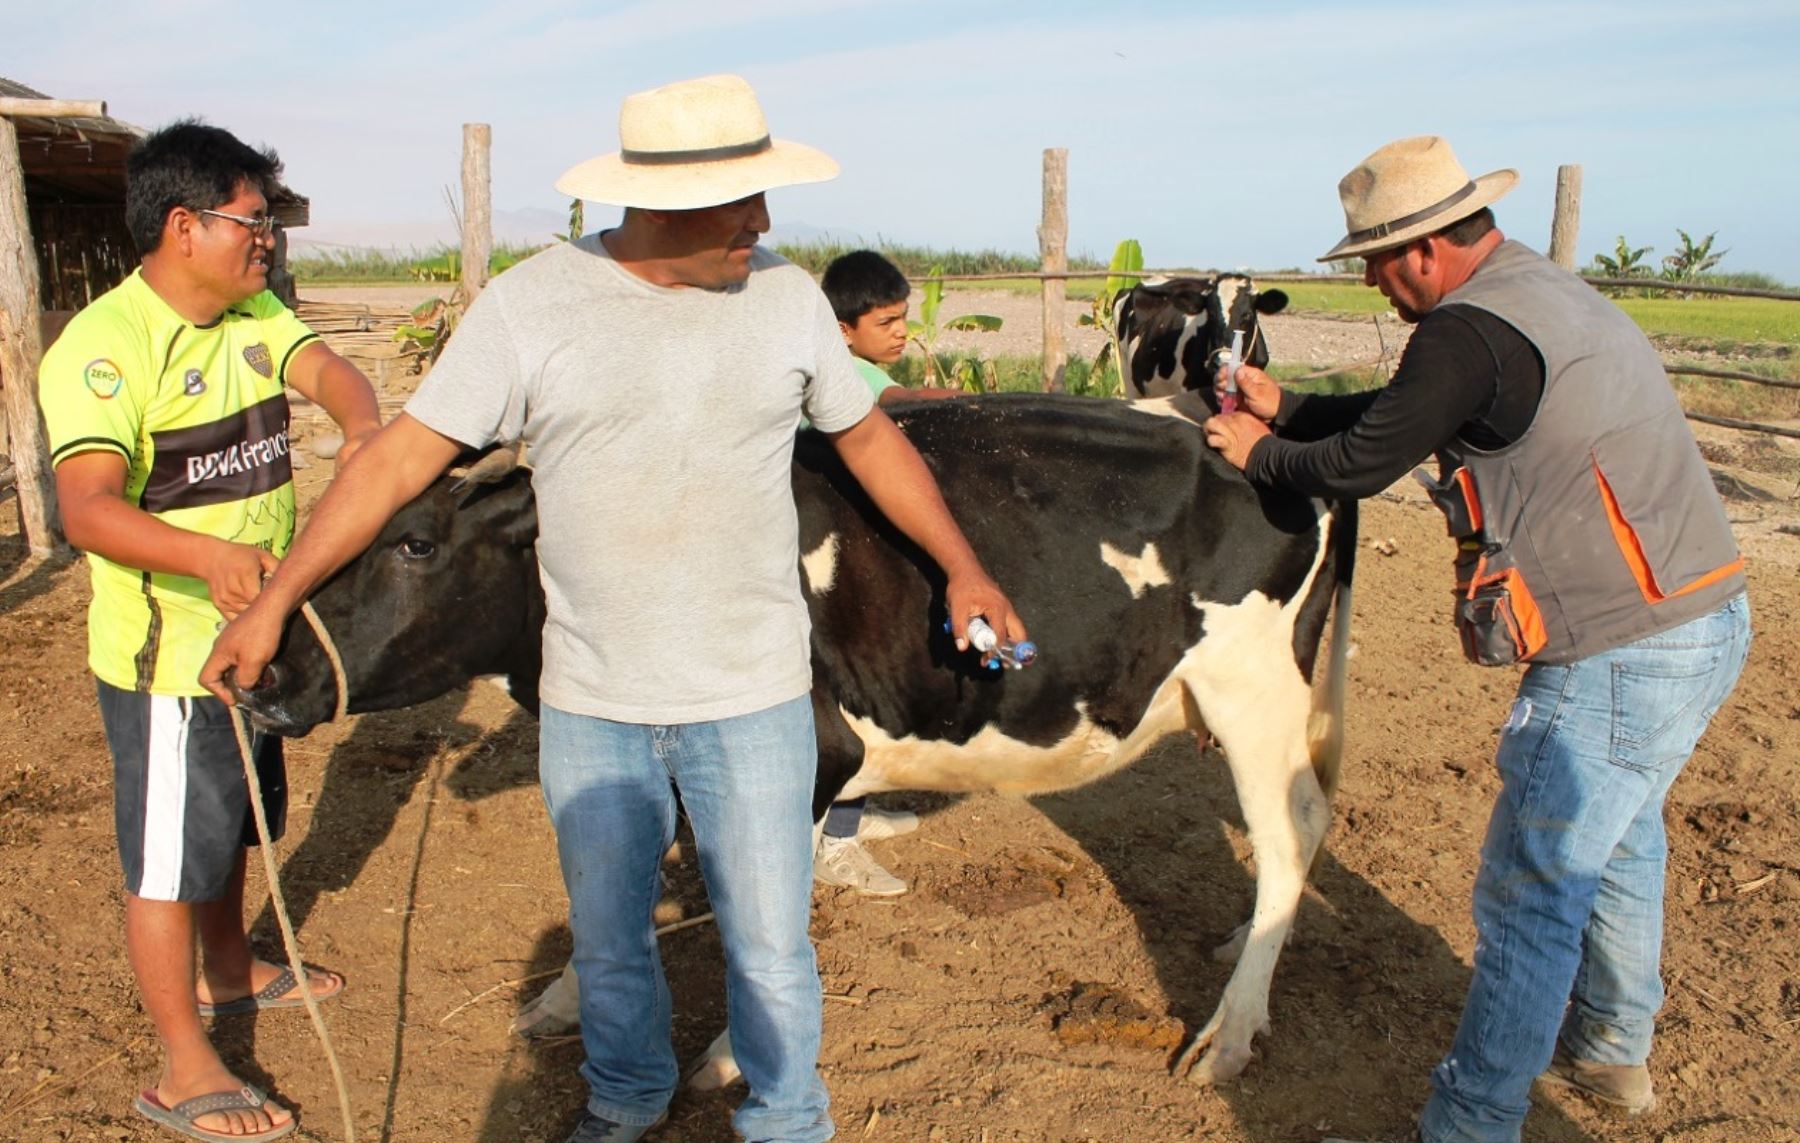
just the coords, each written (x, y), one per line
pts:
(1140, 572)
(992, 760)
(820, 565)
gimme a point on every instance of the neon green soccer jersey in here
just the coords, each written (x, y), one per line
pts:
(200, 415)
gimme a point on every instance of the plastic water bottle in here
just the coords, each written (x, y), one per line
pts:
(1228, 402)
(999, 652)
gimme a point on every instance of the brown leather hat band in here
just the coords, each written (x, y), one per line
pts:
(1417, 216)
(701, 155)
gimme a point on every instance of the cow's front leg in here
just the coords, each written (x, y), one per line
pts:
(1264, 738)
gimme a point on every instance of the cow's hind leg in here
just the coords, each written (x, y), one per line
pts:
(1258, 712)
(556, 1011)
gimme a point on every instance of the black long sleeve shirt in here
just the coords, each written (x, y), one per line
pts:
(1466, 375)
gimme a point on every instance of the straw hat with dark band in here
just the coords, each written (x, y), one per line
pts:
(1407, 190)
(701, 142)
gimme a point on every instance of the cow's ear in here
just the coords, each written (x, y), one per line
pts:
(504, 509)
(517, 522)
(1271, 301)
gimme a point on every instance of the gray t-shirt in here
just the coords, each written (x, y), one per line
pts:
(660, 429)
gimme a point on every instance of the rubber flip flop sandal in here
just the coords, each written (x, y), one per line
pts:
(271, 995)
(181, 1117)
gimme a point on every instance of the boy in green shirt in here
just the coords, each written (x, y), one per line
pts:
(869, 295)
(167, 411)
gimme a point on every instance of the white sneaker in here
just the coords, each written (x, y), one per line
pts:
(843, 861)
(879, 825)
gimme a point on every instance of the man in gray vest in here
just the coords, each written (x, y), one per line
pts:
(1591, 548)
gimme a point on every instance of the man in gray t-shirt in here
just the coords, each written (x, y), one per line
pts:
(658, 372)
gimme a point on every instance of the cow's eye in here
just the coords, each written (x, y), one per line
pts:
(416, 549)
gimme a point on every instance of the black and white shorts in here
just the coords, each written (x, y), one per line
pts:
(180, 803)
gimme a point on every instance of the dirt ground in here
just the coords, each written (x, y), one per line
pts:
(1035, 984)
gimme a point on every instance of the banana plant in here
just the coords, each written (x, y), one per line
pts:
(1626, 261)
(1123, 274)
(924, 333)
(1691, 260)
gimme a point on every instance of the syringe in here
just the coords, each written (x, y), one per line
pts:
(995, 651)
(1228, 401)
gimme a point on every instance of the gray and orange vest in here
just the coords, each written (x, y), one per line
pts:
(1600, 525)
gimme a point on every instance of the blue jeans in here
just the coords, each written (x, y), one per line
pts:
(1569, 899)
(747, 785)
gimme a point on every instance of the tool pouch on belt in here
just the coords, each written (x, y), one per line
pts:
(1495, 613)
(1496, 616)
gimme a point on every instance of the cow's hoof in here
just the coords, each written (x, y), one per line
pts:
(1219, 1064)
(716, 1067)
(712, 1075)
(535, 1023)
(556, 1011)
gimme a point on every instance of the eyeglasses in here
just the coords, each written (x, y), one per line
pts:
(258, 227)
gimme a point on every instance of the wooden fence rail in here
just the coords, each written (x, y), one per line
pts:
(1733, 375)
(1289, 276)
(1745, 426)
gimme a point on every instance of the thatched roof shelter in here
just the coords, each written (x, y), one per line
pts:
(75, 198)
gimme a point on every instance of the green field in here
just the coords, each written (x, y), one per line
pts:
(1759, 326)
(363, 266)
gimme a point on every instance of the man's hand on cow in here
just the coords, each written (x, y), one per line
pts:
(234, 574)
(1234, 435)
(973, 593)
(1258, 393)
(243, 649)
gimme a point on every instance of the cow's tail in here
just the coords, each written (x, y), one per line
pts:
(1325, 727)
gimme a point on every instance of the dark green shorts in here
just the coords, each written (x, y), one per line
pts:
(180, 803)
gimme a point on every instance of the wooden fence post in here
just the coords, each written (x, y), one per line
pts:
(1053, 247)
(1565, 225)
(478, 209)
(21, 350)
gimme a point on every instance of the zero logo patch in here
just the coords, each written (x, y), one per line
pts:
(258, 357)
(193, 384)
(103, 378)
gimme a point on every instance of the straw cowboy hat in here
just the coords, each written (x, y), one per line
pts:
(692, 144)
(1407, 190)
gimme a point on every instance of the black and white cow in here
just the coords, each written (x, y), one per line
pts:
(1165, 592)
(1174, 331)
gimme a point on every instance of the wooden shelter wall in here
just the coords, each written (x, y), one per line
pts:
(83, 250)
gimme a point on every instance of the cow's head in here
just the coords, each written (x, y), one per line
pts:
(447, 592)
(1174, 332)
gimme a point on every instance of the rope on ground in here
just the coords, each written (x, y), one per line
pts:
(301, 979)
(674, 927)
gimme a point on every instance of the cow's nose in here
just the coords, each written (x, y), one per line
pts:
(268, 680)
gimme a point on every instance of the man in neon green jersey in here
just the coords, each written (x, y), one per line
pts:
(168, 421)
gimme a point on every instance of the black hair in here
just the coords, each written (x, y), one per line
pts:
(193, 165)
(1466, 232)
(861, 280)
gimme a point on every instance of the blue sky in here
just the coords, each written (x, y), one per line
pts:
(1214, 133)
